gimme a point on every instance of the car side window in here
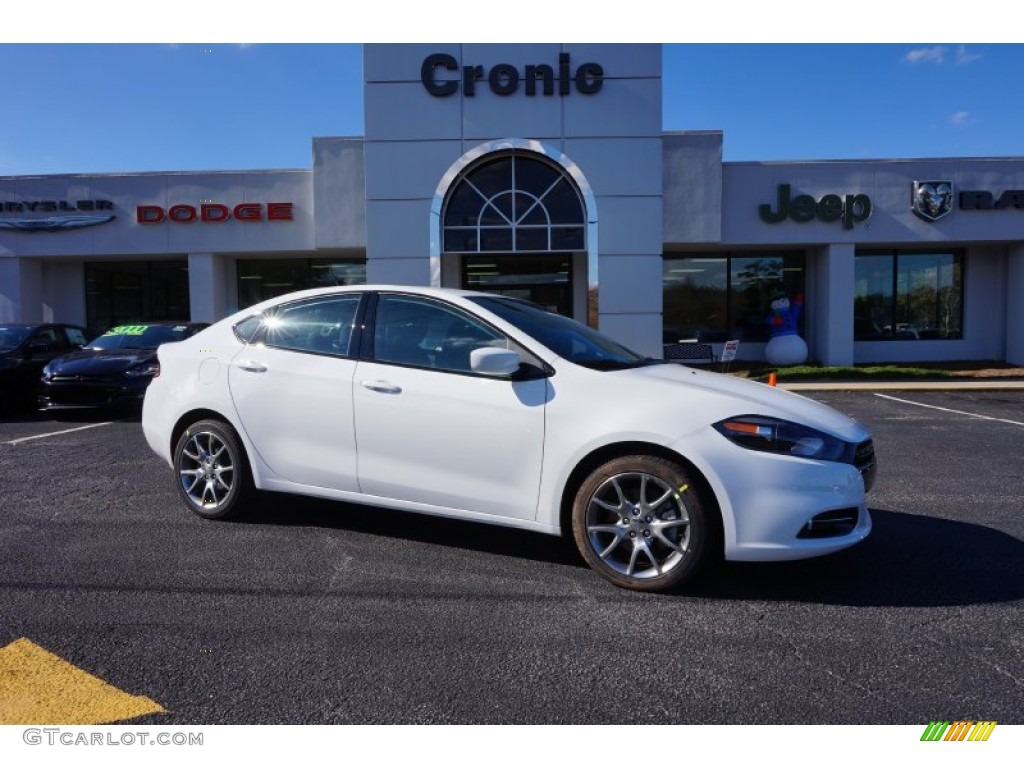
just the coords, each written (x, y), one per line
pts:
(46, 338)
(323, 326)
(76, 336)
(245, 330)
(413, 331)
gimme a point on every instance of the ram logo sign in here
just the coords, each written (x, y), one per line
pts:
(931, 200)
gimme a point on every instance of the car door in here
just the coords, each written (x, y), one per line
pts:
(292, 389)
(431, 431)
(41, 347)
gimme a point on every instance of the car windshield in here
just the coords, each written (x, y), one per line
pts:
(138, 336)
(564, 336)
(11, 336)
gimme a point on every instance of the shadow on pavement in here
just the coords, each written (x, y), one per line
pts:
(285, 509)
(909, 560)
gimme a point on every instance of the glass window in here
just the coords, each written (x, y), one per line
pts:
(908, 296)
(510, 203)
(262, 279)
(323, 326)
(12, 335)
(544, 280)
(75, 336)
(123, 292)
(141, 336)
(717, 297)
(47, 338)
(413, 331)
(245, 330)
(564, 336)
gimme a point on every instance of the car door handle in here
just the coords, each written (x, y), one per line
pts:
(252, 366)
(385, 387)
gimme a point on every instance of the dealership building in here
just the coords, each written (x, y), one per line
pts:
(543, 171)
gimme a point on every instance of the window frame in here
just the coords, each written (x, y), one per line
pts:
(531, 365)
(959, 259)
(553, 226)
(259, 336)
(732, 313)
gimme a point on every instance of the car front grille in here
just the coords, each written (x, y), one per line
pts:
(82, 379)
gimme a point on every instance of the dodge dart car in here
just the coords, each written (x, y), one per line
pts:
(111, 370)
(488, 408)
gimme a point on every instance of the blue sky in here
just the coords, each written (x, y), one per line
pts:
(95, 107)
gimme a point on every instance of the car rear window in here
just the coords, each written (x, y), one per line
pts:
(139, 336)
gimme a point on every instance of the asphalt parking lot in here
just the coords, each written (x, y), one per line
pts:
(317, 612)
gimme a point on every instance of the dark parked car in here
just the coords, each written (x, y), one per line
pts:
(24, 349)
(113, 369)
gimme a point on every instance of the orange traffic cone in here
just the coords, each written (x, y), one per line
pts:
(771, 379)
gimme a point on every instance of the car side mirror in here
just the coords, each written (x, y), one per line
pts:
(492, 361)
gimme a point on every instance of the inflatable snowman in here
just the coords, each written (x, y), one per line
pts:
(785, 346)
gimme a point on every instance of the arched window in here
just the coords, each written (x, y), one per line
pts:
(513, 202)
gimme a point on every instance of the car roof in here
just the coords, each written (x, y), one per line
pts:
(419, 290)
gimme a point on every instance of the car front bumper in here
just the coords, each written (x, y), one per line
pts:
(778, 507)
(106, 393)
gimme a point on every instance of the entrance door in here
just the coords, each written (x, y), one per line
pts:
(544, 279)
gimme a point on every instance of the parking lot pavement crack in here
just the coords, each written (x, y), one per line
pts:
(818, 666)
(844, 680)
(984, 661)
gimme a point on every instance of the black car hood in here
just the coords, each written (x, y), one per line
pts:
(97, 362)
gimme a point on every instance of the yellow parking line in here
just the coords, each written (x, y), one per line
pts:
(39, 688)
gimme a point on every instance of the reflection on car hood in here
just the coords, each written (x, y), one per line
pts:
(107, 362)
(761, 398)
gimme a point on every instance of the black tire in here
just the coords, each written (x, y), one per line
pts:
(639, 522)
(212, 471)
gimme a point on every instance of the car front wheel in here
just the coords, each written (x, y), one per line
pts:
(639, 522)
(213, 476)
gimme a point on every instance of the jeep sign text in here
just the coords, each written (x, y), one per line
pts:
(803, 208)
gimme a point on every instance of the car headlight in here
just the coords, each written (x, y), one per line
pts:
(761, 433)
(152, 368)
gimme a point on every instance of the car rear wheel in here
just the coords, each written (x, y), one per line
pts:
(639, 522)
(213, 475)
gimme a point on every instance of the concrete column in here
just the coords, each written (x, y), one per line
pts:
(64, 292)
(207, 287)
(1015, 305)
(398, 271)
(21, 290)
(832, 312)
(630, 301)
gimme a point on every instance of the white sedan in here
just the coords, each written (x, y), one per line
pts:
(488, 408)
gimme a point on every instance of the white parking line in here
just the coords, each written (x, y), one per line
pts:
(950, 410)
(53, 434)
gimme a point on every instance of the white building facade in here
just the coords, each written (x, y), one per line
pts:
(543, 171)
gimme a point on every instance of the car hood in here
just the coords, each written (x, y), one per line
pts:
(732, 396)
(107, 362)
